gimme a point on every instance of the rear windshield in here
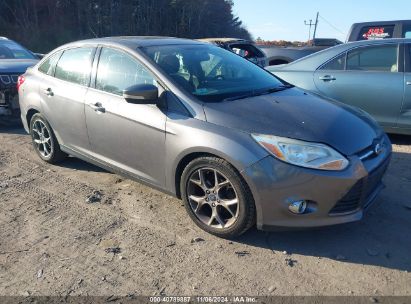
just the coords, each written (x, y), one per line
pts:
(376, 32)
(12, 50)
(246, 50)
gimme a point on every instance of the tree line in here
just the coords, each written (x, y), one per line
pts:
(42, 25)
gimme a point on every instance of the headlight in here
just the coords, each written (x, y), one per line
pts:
(302, 153)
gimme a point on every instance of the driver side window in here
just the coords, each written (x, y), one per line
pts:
(118, 70)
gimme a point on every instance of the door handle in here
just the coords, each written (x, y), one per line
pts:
(408, 83)
(98, 107)
(327, 78)
(49, 92)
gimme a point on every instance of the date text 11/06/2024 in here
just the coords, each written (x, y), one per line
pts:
(202, 299)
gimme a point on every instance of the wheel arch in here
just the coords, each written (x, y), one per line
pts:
(190, 156)
(29, 115)
(283, 59)
(278, 61)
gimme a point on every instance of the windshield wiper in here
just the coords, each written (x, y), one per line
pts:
(259, 93)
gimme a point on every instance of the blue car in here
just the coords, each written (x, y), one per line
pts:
(14, 61)
(374, 75)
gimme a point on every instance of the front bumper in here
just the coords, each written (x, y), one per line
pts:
(334, 197)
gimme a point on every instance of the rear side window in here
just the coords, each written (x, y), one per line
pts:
(117, 71)
(408, 60)
(375, 58)
(75, 66)
(376, 32)
(407, 31)
(246, 50)
(48, 66)
(337, 64)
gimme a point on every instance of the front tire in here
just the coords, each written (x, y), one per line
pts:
(44, 141)
(217, 198)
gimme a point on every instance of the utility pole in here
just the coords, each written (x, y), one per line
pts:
(310, 24)
(315, 26)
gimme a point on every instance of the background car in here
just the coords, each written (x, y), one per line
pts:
(277, 55)
(14, 60)
(234, 142)
(380, 30)
(373, 75)
(244, 48)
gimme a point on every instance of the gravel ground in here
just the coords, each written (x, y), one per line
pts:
(130, 239)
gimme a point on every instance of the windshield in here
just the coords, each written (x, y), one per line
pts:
(11, 50)
(210, 73)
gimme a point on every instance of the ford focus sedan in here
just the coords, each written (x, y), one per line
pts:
(237, 145)
(374, 75)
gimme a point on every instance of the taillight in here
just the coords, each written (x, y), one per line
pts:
(20, 81)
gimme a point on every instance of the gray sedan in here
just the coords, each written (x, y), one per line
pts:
(372, 75)
(238, 145)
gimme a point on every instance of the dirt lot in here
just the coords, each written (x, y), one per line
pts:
(52, 242)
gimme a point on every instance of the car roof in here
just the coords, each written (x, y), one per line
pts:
(134, 41)
(313, 61)
(371, 23)
(222, 40)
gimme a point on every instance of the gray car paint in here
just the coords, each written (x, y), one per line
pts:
(149, 142)
(295, 114)
(384, 95)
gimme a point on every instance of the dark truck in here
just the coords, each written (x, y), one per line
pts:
(380, 30)
(282, 55)
(241, 47)
(14, 61)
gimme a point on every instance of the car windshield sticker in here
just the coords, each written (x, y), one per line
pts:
(376, 33)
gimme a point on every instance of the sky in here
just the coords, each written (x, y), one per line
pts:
(284, 20)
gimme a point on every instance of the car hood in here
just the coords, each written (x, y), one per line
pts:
(18, 66)
(296, 114)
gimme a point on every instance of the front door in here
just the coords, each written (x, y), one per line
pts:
(129, 136)
(368, 77)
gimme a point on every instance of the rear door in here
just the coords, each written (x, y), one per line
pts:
(368, 77)
(64, 94)
(129, 136)
(405, 116)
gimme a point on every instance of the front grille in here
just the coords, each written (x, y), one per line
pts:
(360, 192)
(351, 201)
(8, 80)
(374, 179)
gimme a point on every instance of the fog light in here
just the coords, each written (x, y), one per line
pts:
(298, 207)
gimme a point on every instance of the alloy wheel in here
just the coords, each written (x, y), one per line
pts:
(42, 138)
(213, 198)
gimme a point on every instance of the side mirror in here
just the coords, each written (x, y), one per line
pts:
(141, 94)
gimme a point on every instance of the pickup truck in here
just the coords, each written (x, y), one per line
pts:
(282, 55)
(380, 30)
(241, 47)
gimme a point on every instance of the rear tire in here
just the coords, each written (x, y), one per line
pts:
(44, 141)
(217, 198)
